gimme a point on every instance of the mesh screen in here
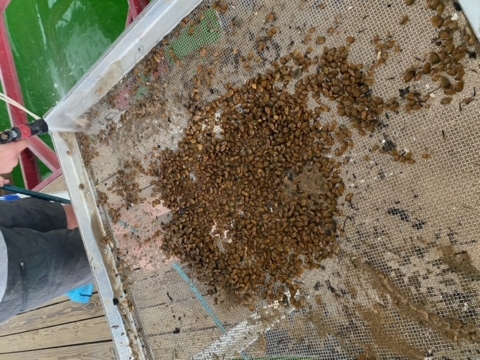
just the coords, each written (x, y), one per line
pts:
(405, 283)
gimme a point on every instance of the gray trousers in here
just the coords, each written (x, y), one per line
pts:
(45, 259)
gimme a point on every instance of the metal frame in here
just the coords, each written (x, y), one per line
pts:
(471, 8)
(135, 8)
(109, 286)
(156, 21)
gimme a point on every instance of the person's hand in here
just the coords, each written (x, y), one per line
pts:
(3, 181)
(9, 154)
(71, 218)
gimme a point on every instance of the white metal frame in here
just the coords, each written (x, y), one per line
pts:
(156, 21)
(471, 8)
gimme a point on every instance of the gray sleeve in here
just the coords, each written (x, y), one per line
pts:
(35, 214)
(41, 267)
(3, 266)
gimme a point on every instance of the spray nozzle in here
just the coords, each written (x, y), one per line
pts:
(7, 136)
(38, 127)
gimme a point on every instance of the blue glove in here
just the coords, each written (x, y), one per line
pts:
(81, 295)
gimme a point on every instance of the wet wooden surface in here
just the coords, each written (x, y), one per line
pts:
(59, 330)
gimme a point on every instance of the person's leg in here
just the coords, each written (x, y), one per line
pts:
(46, 265)
(71, 218)
(36, 214)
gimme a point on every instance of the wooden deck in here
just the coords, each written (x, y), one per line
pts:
(58, 330)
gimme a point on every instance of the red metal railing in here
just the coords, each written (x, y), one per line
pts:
(135, 8)
(11, 86)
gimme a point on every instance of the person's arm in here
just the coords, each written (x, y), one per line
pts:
(9, 154)
(30, 213)
(4, 181)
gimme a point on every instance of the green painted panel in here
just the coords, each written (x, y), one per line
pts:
(191, 39)
(55, 42)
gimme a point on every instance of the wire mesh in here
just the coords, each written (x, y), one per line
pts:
(405, 282)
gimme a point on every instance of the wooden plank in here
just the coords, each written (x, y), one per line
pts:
(188, 316)
(103, 350)
(153, 291)
(60, 299)
(165, 302)
(56, 314)
(58, 185)
(79, 332)
(182, 345)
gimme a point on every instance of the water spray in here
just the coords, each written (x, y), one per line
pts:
(37, 127)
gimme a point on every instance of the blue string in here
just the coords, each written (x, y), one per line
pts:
(199, 297)
(204, 303)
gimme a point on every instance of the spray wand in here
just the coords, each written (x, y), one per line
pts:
(38, 127)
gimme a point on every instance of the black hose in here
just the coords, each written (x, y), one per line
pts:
(35, 194)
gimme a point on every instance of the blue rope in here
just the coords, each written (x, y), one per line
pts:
(199, 297)
(204, 303)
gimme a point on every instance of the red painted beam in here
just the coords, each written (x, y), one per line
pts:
(44, 153)
(3, 6)
(55, 175)
(11, 87)
(135, 8)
